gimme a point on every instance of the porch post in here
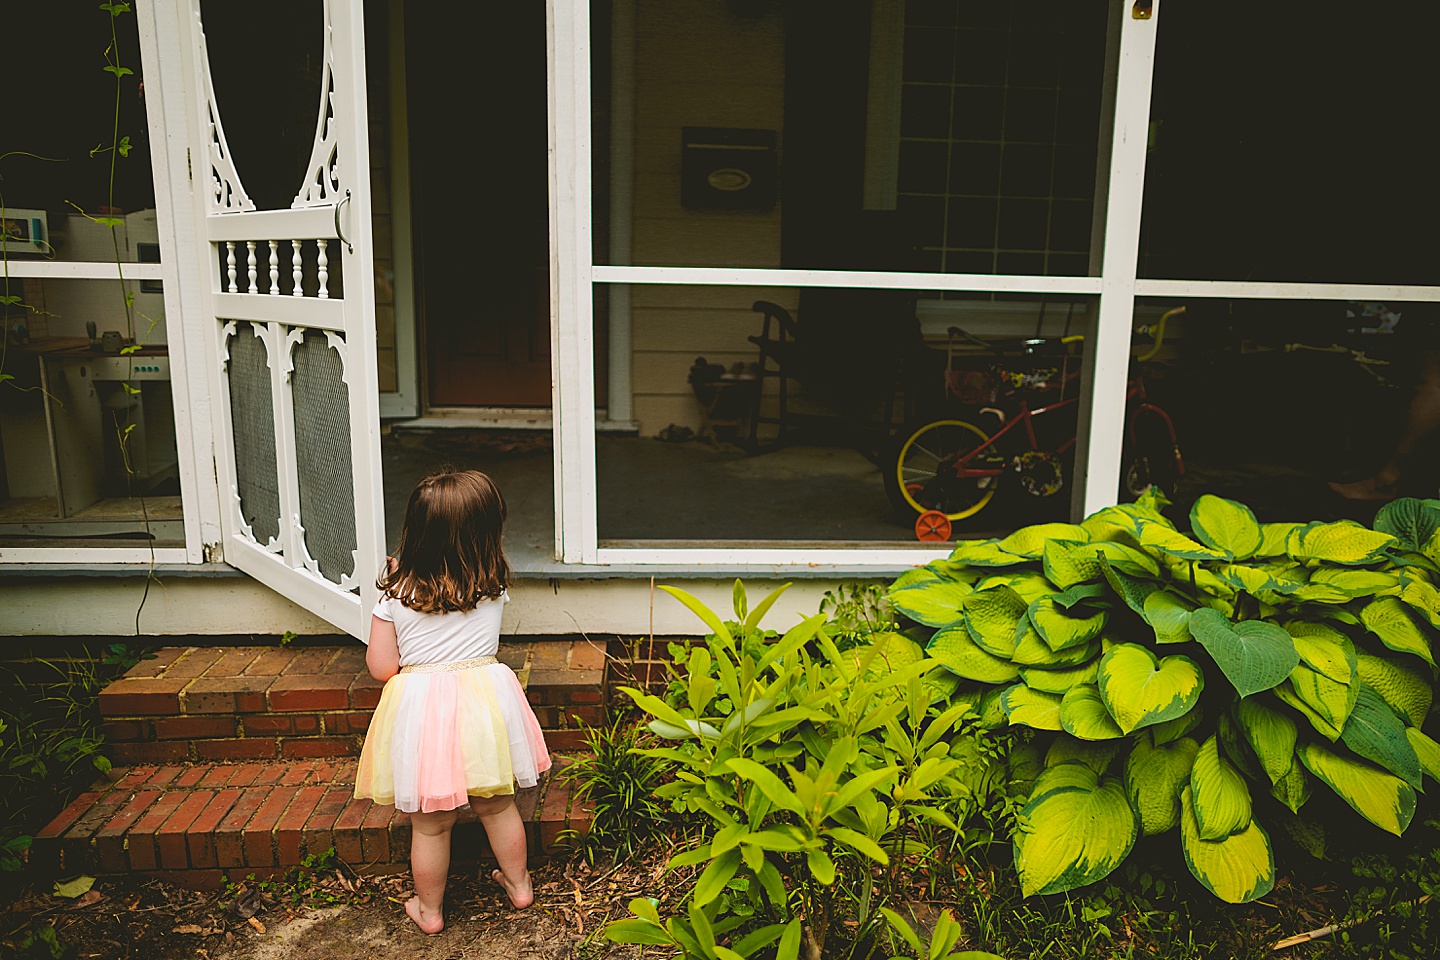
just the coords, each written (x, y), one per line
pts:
(1102, 406)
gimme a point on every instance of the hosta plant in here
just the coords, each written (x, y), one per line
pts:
(1197, 682)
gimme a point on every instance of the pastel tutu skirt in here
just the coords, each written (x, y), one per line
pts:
(443, 733)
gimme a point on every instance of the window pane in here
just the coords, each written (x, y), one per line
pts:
(1292, 147)
(1271, 400)
(87, 430)
(728, 450)
(946, 135)
(54, 122)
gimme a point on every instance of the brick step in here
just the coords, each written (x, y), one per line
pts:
(266, 703)
(199, 824)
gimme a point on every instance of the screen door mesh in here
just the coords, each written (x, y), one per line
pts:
(322, 454)
(252, 420)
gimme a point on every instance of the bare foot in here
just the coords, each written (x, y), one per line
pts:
(521, 895)
(429, 923)
(1374, 488)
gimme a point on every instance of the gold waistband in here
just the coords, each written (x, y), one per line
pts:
(449, 667)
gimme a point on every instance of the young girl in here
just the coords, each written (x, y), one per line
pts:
(453, 725)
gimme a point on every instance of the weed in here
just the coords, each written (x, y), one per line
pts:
(619, 784)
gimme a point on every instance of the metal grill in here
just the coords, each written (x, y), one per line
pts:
(322, 454)
(252, 422)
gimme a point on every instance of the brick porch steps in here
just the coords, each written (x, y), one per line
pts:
(199, 824)
(266, 703)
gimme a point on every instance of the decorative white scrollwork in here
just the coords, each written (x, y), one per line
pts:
(321, 187)
(226, 194)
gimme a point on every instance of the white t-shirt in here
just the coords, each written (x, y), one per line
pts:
(444, 637)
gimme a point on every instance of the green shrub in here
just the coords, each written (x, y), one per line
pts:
(1166, 673)
(810, 769)
(618, 782)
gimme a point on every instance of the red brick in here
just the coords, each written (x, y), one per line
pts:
(345, 771)
(400, 834)
(551, 655)
(324, 771)
(514, 655)
(229, 834)
(212, 694)
(353, 722)
(553, 813)
(156, 665)
(586, 695)
(271, 662)
(247, 749)
(591, 715)
(79, 850)
(587, 656)
(365, 692)
(110, 838)
(271, 774)
(310, 692)
(548, 716)
(163, 777)
(258, 837)
(191, 775)
(375, 833)
(132, 778)
(232, 662)
(207, 881)
(319, 747)
(194, 728)
(349, 660)
(119, 731)
(565, 739)
(346, 831)
(200, 838)
(170, 836)
(291, 826)
(141, 697)
(195, 663)
(217, 776)
(140, 841)
(307, 723)
(156, 752)
(268, 723)
(295, 774)
(45, 848)
(319, 833)
(310, 660)
(245, 774)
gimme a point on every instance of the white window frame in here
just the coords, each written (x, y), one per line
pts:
(165, 119)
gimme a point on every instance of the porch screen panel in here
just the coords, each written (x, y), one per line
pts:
(252, 415)
(322, 456)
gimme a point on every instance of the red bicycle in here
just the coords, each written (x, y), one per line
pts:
(951, 468)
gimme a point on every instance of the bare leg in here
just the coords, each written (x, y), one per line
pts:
(429, 862)
(1421, 420)
(507, 839)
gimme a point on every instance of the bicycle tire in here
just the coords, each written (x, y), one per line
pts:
(905, 483)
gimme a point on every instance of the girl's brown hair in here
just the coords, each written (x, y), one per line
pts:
(450, 557)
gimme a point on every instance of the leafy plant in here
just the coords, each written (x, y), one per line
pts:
(811, 768)
(1166, 673)
(943, 938)
(616, 781)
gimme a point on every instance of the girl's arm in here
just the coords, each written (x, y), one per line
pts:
(382, 655)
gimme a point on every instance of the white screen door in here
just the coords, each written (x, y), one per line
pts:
(291, 309)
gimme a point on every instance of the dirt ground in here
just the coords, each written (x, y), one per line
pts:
(331, 915)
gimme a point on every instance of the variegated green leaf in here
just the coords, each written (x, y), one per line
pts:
(1270, 734)
(958, 653)
(1323, 649)
(1273, 537)
(1059, 680)
(1095, 754)
(1225, 525)
(1030, 541)
(1072, 837)
(1358, 582)
(1344, 542)
(992, 616)
(935, 603)
(1332, 701)
(1254, 655)
(1426, 750)
(1222, 801)
(1067, 564)
(1169, 615)
(1399, 683)
(1158, 539)
(1378, 796)
(984, 553)
(1422, 597)
(1066, 775)
(1412, 522)
(1133, 590)
(1238, 868)
(1062, 629)
(1375, 733)
(1029, 584)
(1153, 778)
(1390, 621)
(1127, 559)
(1031, 651)
(1293, 789)
(1083, 714)
(1031, 708)
(1285, 692)
(1140, 690)
(1163, 733)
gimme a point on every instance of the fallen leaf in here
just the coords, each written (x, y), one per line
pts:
(259, 927)
(188, 928)
(70, 889)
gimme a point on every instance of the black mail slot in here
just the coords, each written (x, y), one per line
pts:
(727, 169)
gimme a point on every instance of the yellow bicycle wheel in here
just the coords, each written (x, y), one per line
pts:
(918, 478)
